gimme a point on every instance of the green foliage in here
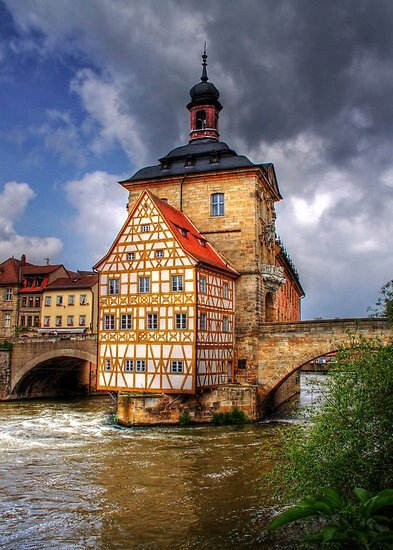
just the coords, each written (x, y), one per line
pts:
(384, 305)
(115, 418)
(21, 330)
(184, 419)
(234, 416)
(346, 441)
(349, 525)
(5, 345)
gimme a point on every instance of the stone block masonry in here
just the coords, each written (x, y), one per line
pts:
(5, 373)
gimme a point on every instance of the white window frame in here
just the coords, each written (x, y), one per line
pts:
(140, 365)
(47, 321)
(180, 321)
(177, 283)
(109, 322)
(177, 367)
(217, 204)
(144, 285)
(70, 320)
(159, 253)
(202, 284)
(82, 324)
(203, 321)
(48, 300)
(7, 320)
(59, 321)
(128, 365)
(8, 294)
(152, 320)
(59, 300)
(126, 321)
(113, 287)
(71, 299)
(145, 228)
(83, 300)
(131, 256)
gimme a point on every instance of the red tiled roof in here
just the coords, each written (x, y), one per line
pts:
(189, 237)
(85, 281)
(30, 269)
(9, 272)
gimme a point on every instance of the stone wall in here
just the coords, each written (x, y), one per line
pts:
(155, 409)
(5, 373)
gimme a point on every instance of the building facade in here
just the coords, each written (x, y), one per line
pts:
(166, 315)
(69, 304)
(10, 282)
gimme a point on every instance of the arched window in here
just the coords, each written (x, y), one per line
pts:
(200, 120)
(217, 204)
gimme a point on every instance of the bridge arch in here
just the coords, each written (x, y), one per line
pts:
(60, 371)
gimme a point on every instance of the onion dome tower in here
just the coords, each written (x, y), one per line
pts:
(204, 107)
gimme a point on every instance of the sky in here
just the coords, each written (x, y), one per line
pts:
(92, 91)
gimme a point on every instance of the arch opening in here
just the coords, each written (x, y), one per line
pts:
(270, 314)
(63, 377)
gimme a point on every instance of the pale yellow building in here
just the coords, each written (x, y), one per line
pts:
(69, 305)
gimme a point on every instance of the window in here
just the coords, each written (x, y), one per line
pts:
(70, 321)
(144, 285)
(29, 283)
(22, 321)
(29, 320)
(24, 301)
(58, 320)
(48, 300)
(225, 291)
(107, 364)
(241, 364)
(180, 321)
(83, 300)
(177, 283)
(109, 322)
(71, 300)
(30, 301)
(129, 365)
(36, 320)
(59, 300)
(145, 228)
(7, 320)
(202, 321)
(202, 285)
(82, 320)
(38, 281)
(140, 365)
(225, 324)
(200, 120)
(131, 256)
(177, 367)
(126, 321)
(37, 301)
(152, 321)
(217, 204)
(114, 286)
(8, 294)
(46, 321)
(159, 253)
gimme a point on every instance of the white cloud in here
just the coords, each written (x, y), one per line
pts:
(13, 202)
(100, 205)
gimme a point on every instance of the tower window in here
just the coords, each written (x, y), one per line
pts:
(200, 119)
(217, 204)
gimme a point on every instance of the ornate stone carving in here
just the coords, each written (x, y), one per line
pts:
(273, 276)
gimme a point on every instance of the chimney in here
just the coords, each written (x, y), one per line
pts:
(23, 259)
(47, 261)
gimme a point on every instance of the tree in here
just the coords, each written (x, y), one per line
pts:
(347, 441)
(384, 305)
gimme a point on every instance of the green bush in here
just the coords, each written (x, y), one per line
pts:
(184, 419)
(361, 524)
(5, 345)
(234, 416)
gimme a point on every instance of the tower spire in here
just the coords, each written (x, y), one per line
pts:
(204, 76)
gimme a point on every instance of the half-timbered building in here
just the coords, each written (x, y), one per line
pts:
(166, 315)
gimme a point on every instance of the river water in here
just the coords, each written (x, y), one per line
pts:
(70, 479)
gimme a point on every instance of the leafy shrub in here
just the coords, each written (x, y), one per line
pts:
(184, 419)
(234, 416)
(5, 345)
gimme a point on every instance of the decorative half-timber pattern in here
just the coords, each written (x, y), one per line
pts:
(166, 306)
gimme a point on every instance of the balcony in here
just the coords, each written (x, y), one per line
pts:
(273, 276)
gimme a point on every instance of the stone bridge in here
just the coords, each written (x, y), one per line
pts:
(49, 366)
(278, 350)
(66, 365)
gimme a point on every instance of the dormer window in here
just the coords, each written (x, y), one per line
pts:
(189, 161)
(214, 158)
(200, 120)
(164, 164)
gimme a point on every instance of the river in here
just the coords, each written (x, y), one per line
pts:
(71, 480)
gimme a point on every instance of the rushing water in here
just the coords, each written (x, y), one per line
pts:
(70, 479)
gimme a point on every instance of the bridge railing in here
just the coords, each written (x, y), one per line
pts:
(53, 338)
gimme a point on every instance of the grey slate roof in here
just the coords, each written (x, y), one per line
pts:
(201, 155)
